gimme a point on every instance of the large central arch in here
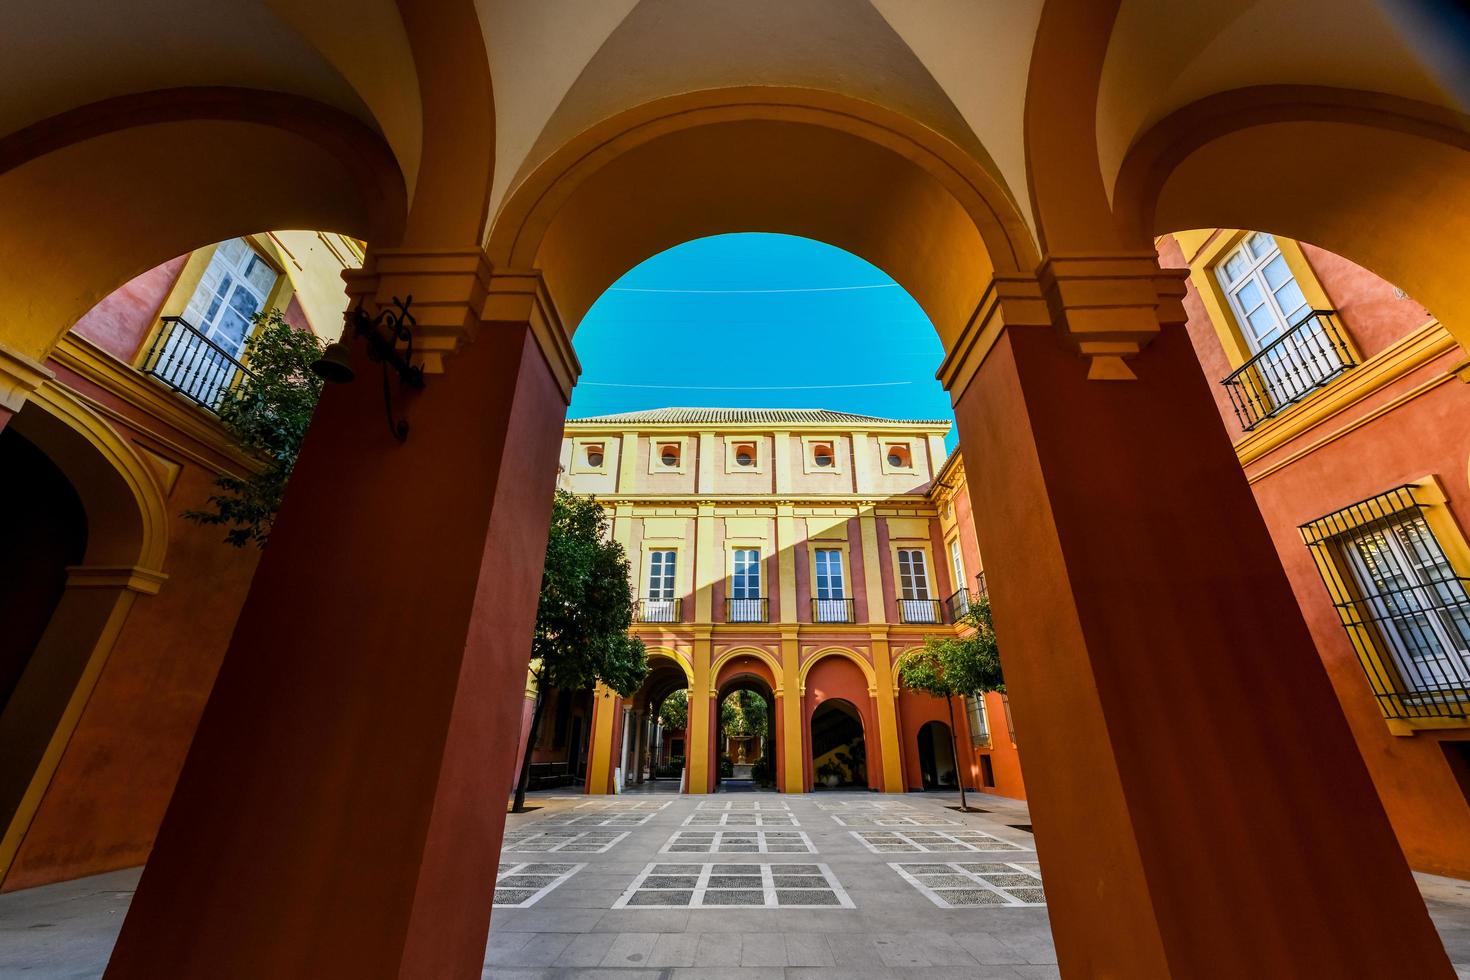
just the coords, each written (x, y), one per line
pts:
(790, 161)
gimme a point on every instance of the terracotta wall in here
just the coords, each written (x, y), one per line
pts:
(1416, 426)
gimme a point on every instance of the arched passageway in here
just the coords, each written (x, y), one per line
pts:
(936, 755)
(1002, 224)
(648, 734)
(839, 754)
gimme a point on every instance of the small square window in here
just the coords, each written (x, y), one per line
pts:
(669, 454)
(744, 454)
(823, 457)
(898, 456)
(592, 454)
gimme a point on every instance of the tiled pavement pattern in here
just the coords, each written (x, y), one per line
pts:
(927, 841)
(959, 884)
(738, 842)
(519, 886)
(895, 820)
(704, 819)
(573, 932)
(570, 841)
(743, 805)
(735, 885)
(596, 818)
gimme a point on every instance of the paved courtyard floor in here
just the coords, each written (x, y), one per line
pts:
(741, 886)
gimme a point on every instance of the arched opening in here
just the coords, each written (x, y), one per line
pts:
(48, 534)
(936, 755)
(839, 755)
(656, 739)
(746, 753)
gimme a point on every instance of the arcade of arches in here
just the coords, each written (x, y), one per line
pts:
(1201, 806)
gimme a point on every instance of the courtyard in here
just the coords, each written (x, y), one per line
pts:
(751, 886)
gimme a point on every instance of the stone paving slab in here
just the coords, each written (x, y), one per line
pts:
(890, 929)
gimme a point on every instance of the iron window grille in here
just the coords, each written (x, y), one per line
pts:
(982, 589)
(747, 610)
(832, 611)
(920, 611)
(657, 611)
(1404, 607)
(959, 604)
(188, 362)
(1305, 357)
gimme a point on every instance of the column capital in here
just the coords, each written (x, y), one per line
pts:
(521, 296)
(19, 376)
(448, 288)
(134, 578)
(1109, 307)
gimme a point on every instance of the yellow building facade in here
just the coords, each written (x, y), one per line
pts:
(799, 554)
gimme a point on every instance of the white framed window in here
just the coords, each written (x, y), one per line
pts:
(660, 604)
(235, 286)
(979, 722)
(961, 602)
(831, 604)
(202, 363)
(1263, 294)
(1411, 592)
(745, 587)
(915, 603)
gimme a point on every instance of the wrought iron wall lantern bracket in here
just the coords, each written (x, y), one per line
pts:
(393, 326)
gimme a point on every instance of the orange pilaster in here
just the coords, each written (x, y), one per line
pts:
(341, 810)
(1200, 807)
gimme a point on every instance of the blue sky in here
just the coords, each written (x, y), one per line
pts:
(757, 320)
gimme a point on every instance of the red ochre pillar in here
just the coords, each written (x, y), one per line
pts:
(1201, 810)
(341, 809)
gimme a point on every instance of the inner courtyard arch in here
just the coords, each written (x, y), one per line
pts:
(1077, 399)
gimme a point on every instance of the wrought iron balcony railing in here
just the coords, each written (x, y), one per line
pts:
(958, 605)
(1308, 355)
(920, 611)
(982, 588)
(833, 611)
(657, 611)
(747, 610)
(190, 363)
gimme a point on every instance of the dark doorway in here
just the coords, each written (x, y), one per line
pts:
(839, 753)
(936, 755)
(46, 533)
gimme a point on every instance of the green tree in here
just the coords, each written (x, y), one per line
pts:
(268, 412)
(964, 665)
(583, 616)
(674, 712)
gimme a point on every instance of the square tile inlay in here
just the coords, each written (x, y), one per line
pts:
(964, 884)
(742, 805)
(913, 841)
(893, 820)
(738, 842)
(850, 805)
(571, 841)
(728, 819)
(594, 818)
(519, 886)
(731, 886)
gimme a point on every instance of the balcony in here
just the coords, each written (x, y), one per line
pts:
(657, 611)
(188, 362)
(833, 611)
(920, 611)
(1307, 356)
(958, 605)
(747, 610)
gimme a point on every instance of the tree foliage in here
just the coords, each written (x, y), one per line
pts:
(744, 713)
(958, 665)
(586, 604)
(674, 712)
(268, 413)
(583, 615)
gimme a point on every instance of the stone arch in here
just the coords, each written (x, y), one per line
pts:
(1419, 154)
(679, 659)
(84, 189)
(764, 159)
(835, 651)
(763, 656)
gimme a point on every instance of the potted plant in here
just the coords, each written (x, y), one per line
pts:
(830, 773)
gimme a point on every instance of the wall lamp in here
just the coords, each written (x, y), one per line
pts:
(384, 332)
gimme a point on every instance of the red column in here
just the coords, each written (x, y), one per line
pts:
(341, 809)
(1200, 807)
